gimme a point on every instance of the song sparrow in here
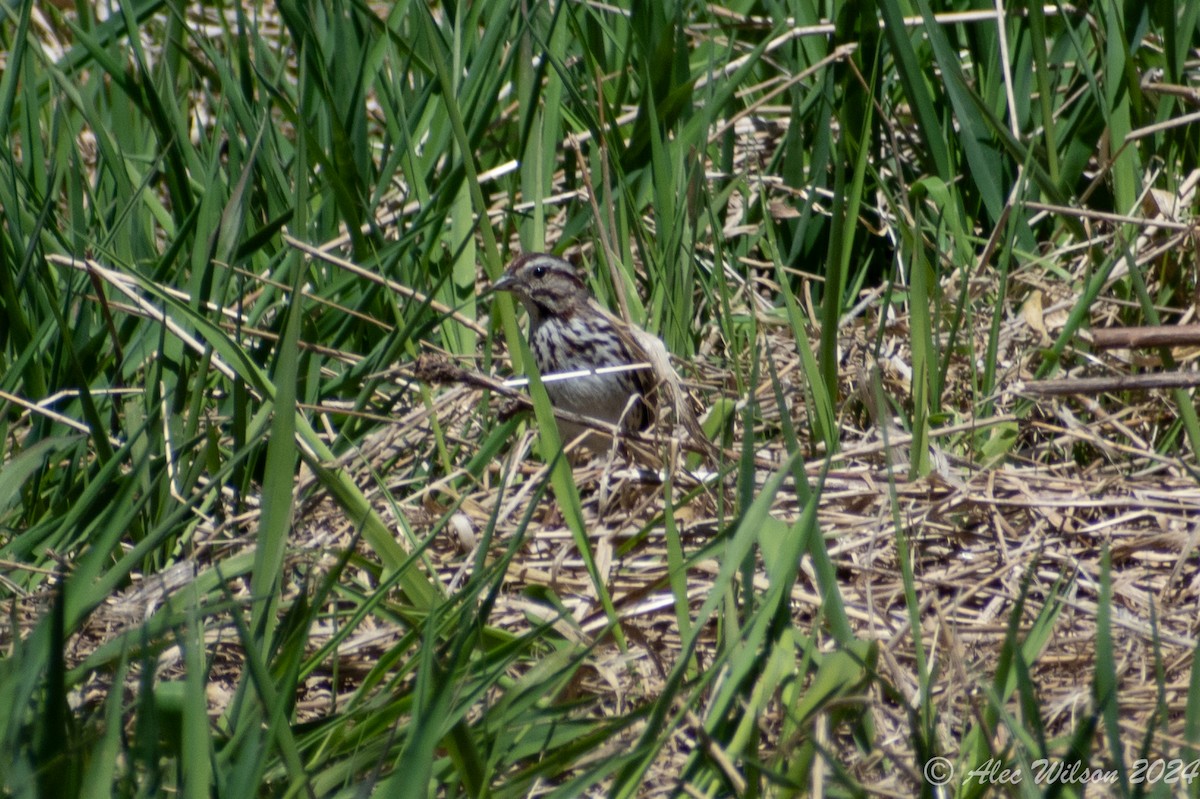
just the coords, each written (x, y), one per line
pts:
(570, 332)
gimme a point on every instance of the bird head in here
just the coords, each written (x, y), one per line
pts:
(544, 284)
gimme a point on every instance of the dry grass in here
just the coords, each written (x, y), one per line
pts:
(983, 538)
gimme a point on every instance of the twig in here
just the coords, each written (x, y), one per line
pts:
(1153, 336)
(1099, 385)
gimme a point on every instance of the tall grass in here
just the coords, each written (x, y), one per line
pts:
(709, 160)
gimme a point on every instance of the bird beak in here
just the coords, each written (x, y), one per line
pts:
(503, 283)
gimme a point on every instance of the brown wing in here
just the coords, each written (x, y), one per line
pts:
(660, 377)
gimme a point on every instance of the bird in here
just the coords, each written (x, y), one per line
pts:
(570, 332)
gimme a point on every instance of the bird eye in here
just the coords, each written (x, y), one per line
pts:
(539, 271)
